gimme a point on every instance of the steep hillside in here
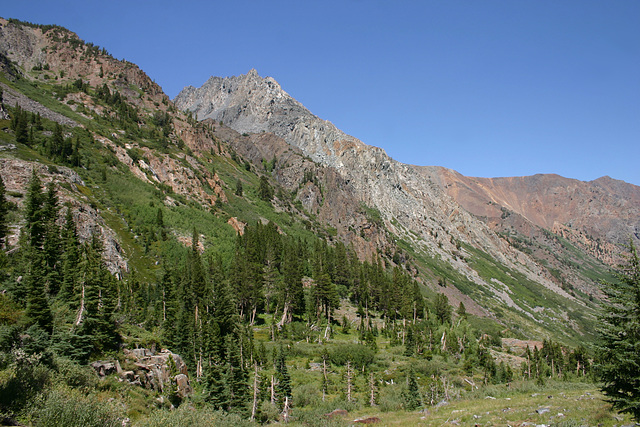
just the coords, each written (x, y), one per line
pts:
(449, 242)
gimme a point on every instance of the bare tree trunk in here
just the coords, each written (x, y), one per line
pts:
(273, 390)
(349, 375)
(285, 410)
(253, 315)
(164, 307)
(372, 390)
(324, 375)
(256, 384)
(81, 309)
(284, 316)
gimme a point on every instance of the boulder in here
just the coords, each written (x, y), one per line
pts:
(104, 367)
(184, 388)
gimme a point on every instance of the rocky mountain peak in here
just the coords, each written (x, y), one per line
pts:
(253, 104)
(411, 205)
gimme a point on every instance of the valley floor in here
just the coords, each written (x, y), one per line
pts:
(524, 404)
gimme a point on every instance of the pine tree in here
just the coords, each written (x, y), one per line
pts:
(238, 191)
(51, 242)
(442, 308)
(619, 353)
(283, 380)
(70, 259)
(326, 295)
(236, 378)
(412, 392)
(34, 227)
(55, 146)
(462, 311)
(38, 310)
(95, 322)
(20, 125)
(265, 192)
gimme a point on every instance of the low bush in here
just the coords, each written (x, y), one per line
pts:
(63, 406)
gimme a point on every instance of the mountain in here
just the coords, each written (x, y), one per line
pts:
(558, 233)
(604, 212)
(181, 245)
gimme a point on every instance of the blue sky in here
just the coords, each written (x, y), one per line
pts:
(488, 88)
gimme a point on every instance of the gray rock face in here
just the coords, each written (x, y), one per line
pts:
(250, 103)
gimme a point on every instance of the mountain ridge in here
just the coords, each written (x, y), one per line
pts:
(414, 207)
(384, 207)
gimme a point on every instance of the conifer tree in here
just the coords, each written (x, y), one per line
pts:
(442, 308)
(34, 227)
(216, 389)
(265, 192)
(283, 381)
(51, 243)
(95, 322)
(70, 258)
(20, 125)
(326, 295)
(412, 392)
(38, 310)
(236, 378)
(619, 353)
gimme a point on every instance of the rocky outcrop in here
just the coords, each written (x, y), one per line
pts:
(182, 173)
(16, 174)
(52, 52)
(148, 369)
(13, 98)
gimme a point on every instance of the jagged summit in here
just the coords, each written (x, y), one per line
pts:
(250, 103)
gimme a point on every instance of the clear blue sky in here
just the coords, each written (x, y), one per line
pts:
(488, 88)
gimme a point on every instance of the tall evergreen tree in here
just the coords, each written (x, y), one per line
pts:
(283, 380)
(70, 259)
(619, 353)
(412, 392)
(51, 243)
(265, 191)
(38, 310)
(35, 219)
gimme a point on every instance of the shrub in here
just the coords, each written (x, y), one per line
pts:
(74, 375)
(360, 355)
(66, 407)
(306, 395)
(187, 415)
(22, 381)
